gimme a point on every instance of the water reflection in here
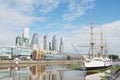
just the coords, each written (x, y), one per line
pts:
(50, 72)
(15, 73)
(41, 72)
(54, 73)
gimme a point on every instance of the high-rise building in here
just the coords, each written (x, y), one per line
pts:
(19, 41)
(24, 39)
(50, 46)
(45, 42)
(26, 42)
(61, 46)
(54, 43)
(35, 40)
(26, 33)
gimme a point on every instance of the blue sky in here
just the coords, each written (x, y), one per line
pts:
(107, 10)
(104, 11)
(64, 18)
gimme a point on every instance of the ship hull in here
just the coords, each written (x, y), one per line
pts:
(95, 68)
(97, 63)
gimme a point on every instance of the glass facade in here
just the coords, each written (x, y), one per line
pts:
(45, 42)
(35, 40)
(54, 43)
(14, 51)
(21, 41)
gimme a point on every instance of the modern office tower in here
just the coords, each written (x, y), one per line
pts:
(19, 41)
(24, 39)
(45, 42)
(61, 46)
(50, 46)
(54, 43)
(35, 40)
(26, 33)
(26, 42)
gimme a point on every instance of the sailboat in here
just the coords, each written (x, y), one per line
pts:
(98, 61)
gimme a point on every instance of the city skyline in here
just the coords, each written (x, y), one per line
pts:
(64, 18)
(47, 44)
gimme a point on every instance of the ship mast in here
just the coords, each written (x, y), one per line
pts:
(101, 44)
(92, 43)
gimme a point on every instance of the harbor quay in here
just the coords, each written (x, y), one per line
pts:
(36, 62)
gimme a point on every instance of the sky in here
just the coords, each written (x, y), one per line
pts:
(68, 19)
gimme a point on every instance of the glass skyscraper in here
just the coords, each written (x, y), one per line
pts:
(23, 40)
(54, 43)
(26, 33)
(35, 40)
(45, 42)
(61, 46)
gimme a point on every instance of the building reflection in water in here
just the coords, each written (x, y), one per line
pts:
(39, 73)
(14, 73)
(61, 75)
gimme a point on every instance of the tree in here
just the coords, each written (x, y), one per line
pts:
(113, 56)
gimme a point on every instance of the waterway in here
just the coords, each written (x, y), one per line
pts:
(50, 72)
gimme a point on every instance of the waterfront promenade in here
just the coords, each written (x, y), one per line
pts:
(5, 63)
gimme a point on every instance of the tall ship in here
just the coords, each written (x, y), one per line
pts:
(100, 59)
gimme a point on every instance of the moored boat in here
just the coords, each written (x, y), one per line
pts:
(99, 61)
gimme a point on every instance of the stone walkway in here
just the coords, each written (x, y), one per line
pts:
(115, 76)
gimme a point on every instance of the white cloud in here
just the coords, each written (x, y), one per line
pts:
(48, 5)
(18, 5)
(14, 16)
(77, 8)
(62, 27)
(112, 31)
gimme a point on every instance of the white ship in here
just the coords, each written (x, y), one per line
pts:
(97, 60)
